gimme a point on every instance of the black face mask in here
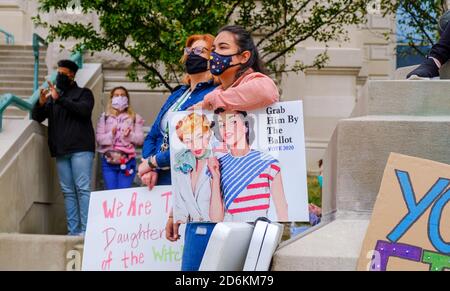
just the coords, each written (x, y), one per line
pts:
(196, 64)
(63, 82)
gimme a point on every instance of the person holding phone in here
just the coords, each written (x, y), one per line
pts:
(71, 140)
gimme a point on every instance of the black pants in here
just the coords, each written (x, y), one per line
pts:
(441, 50)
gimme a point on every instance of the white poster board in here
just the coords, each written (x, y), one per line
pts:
(126, 231)
(250, 186)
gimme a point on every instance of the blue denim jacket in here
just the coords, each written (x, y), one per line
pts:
(154, 139)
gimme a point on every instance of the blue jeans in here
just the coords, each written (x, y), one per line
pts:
(195, 243)
(116, 178)
(75, 171)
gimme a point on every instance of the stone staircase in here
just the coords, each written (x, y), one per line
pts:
(17, 73)
(32, 212)
(406, 117)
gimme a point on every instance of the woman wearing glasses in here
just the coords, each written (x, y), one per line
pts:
(198, 81)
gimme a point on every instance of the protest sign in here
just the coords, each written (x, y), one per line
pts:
(126, 231)
(410, 224)
(238, 166)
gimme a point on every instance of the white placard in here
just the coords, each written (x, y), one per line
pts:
(249, 188)
(126, 231)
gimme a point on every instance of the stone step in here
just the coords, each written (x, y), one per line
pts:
(42, 54)
(16, 84)
(21, 92)
(22, 78)
(407, 97)
(25, 97)
(28, 71)
(12, 64)
(21, 58)
(363, 146)
(9, 47)
(14, 112)
(334, 246)
(38, 252)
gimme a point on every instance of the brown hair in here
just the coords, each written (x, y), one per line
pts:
(111, 111)
(209, 39)
(245, 42)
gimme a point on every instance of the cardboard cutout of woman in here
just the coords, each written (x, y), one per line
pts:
(249, 178)
(197, 176)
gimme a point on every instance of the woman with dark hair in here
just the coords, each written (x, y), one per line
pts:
(235, 62)
(244, 85)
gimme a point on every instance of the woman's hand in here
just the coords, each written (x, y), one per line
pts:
(202, 105)
(214, 167)
(150, 179)
(172, 230)
(127, 132)
(143, 168)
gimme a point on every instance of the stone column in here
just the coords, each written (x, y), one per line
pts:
(14, 18)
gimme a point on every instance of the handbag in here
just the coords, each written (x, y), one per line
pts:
(116, 157)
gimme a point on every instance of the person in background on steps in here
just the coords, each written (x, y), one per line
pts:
(439, 54)
(119, 131)
(71, 140)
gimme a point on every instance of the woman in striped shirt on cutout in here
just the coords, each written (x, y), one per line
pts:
(250, 179)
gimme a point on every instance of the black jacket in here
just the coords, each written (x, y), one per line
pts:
(70, 127)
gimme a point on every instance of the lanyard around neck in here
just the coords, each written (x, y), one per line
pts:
(177, 106)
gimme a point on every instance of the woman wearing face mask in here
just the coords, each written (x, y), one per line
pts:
(119, 130)
(198, 81)
(244, 85)
(155, 168)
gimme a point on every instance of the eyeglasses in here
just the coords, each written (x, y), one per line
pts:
(196, 50)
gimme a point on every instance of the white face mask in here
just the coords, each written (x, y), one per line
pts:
(120, 102)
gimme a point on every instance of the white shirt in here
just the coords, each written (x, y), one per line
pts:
(175, 107)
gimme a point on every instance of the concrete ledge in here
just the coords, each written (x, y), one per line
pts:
(335, 246)
(14, 134)
(22, 252)
(408, 97)
(373, 138)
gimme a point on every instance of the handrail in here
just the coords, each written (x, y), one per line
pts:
(9, 36)
(28, 104)
(36, 41)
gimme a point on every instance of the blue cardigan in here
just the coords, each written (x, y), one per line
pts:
(155, 137)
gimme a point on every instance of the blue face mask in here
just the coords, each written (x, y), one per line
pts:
(220, 63)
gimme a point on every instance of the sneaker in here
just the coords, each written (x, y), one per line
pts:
(426, 71)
